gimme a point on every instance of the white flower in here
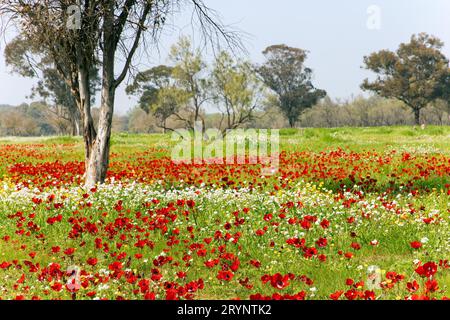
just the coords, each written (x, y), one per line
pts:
(424, 240)
(103, 287)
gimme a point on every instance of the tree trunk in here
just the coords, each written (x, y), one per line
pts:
(417, 116)
(89, 133)
(99, 157)
(75, 122)
(291, 123)
(77, 127)
(98, 161)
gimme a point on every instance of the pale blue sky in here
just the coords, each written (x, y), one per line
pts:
(335, 33)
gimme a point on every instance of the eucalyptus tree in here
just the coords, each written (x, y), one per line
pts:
(100, 33)
(24, 58)
(284, 72)
(417, 73)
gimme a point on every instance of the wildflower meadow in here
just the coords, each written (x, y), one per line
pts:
(360, 214)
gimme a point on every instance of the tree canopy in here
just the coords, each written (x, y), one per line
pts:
(417, 73)
(286, 74)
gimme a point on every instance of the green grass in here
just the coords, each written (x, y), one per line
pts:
(394, 229)
(377, 138)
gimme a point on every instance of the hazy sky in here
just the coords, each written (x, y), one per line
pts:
(335, 32)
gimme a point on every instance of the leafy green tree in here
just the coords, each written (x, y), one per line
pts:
(179, 91)
(236, 91)
(25, 58)
(190, 75)
(158, 94)
(147, 84)
(285, 73)
(417, 73)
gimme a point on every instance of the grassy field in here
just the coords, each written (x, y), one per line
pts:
(353, 213)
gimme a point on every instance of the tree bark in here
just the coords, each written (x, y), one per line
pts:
(75, 121)
(417, 116)
(89, 133)
(76, 128)
(98, 160)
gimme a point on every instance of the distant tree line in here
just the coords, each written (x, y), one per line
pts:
(411, 87)
(40, 119)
